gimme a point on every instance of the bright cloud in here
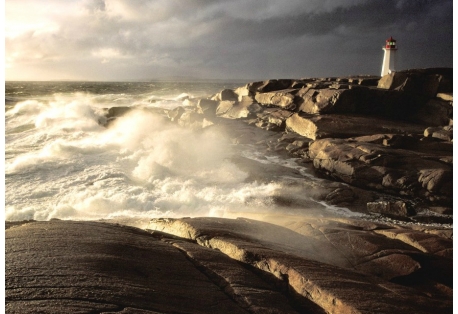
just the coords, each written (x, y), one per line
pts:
(139, 39)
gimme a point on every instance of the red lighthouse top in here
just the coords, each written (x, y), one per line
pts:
(390, 43)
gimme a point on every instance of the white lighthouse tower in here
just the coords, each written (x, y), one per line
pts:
(389, 59)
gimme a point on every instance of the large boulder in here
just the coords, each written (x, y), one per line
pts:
(343, 126)
(175, 114)
(282, 98)
(249, 89)
(434, 112)
(207, 107)
(224, 106)
(253, 88)
(322, 101)
(390, 208)
(115, 112)
(111, 114)
(238, 110)
(379, 167)
(274, 85)
(193, 120)
(427, 82)
(361, 100)
(443, 133)
(226, 94)
(445, 96)
(273, 119)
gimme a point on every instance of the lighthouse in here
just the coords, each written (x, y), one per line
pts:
(389, 59)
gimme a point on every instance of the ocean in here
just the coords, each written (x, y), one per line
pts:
(61, 163)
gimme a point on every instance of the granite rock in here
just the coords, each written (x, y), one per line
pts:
(329, 262)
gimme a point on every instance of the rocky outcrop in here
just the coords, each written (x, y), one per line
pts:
(442, 133)
(344, 126)
(238, 110)
(175, 114)
(86, 267)
(379, 167)
(392, 135)
(226, 94)
(111, 114)
(283, 98)
(207, 107)
(428, 82)
(328, 100)
(435, 112)
(215, 265)
(193, 120)
(382, 154)
(342, 266)
(272, 119)
(392, 208)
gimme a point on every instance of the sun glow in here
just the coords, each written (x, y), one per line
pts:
(30, 17)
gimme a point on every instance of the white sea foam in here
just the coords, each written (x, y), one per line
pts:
(71, 168)
(60, 163)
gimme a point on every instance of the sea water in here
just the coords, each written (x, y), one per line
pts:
(61, 163)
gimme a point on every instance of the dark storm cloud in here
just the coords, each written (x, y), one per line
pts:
(346, 40)
(372, 16)
(106, 39)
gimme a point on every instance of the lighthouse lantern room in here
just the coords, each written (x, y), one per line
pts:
(389, 59)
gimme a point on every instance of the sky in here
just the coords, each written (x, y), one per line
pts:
(116, 40)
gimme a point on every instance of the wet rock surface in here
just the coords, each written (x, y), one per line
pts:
(216, 265)
(84, 267)
(378, 151)
(390, 138)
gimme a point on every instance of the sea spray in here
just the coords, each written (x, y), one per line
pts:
(61, 163)
(141, 166)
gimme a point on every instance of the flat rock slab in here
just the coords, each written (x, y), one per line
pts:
(89, 267)
(305, 255)
(216, 265)
(344, 126)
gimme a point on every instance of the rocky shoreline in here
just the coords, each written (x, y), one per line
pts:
(390, 140)
(216, 265)
(378, 147)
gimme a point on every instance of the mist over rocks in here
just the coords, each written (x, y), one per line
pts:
(390, 138)
(344, 258)
(356, 217)
(214, 265)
